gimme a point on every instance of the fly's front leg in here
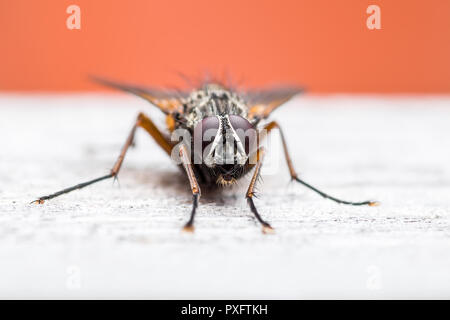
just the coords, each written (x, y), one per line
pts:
(266, 130)
(195, 188)
(251, 191)
(142, 121)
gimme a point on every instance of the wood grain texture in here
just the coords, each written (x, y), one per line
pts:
(125, 240)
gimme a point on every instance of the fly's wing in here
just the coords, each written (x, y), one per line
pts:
(263, 102)
(168, 101)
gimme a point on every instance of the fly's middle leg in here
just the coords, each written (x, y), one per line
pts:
(142, 121)
(272, 125)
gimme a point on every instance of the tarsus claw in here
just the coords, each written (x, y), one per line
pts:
(38, 201)
(266, 229)
(188, 228)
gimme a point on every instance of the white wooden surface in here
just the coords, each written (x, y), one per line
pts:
(124, 241)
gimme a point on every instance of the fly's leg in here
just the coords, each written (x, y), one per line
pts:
(268, 128)
(195, 188)
(142, 121)
(266, 228)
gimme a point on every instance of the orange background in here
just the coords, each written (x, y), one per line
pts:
(324, 45)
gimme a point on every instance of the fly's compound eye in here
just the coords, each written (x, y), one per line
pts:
(245, 131)
(204, 134)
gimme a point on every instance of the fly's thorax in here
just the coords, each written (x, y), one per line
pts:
(213, 100)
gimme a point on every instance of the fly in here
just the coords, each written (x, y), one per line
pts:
(224, 130)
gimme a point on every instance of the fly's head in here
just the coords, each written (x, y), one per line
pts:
(223, 143)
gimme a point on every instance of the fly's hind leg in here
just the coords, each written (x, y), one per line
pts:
(142, 121)
(267, 129)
